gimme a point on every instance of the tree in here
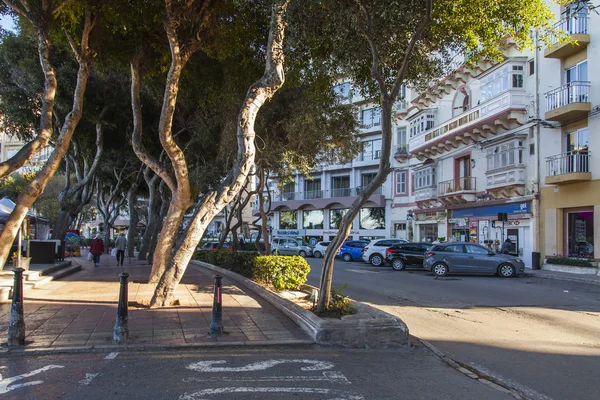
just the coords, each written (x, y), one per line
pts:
(41, 19)
(412, 43)
(258, 93)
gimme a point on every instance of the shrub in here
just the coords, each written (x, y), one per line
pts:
(283, 272)
(569, 261)
(240, 263)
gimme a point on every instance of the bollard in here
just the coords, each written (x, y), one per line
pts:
(121, 332)
(216, 325)
(16, 327)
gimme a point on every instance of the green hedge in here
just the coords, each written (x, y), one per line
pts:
(283, 272)
(569, 261)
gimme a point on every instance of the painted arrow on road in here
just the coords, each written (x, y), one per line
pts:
(5, 382)
(207, 366)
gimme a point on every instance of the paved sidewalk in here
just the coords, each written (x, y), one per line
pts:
(80, 311)
(564, 276)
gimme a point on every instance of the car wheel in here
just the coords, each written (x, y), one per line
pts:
(347, 257)
(376, 260)
(398, 264)
(440, 269)
(506, 271)
(317, 254)
(302, 253)
(274, 252)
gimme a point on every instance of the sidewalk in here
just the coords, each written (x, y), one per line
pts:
(80, 311)
(564, 276)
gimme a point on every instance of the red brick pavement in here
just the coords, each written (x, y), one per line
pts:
(80, 311)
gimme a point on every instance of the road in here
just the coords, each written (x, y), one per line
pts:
(226, 373)
(537, 335)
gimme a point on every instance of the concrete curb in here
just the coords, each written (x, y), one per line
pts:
(368, 328)
(5, 352)
(563, 278)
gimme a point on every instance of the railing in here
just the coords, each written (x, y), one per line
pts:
(572, 92)
(340, 192)
(401, 150)
(464, 184)
(370, 155)
(567, 163)
(573, 25)
(319, 194)
(360, 189)
(313, 194)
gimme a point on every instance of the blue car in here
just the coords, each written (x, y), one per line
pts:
(352, 250)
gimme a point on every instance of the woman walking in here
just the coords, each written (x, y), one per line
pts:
(97, 248)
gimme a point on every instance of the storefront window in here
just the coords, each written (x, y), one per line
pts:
(312, 219)
(372, 218)
(428, 232)
(288, 220)
(580, 234)
(335, 217)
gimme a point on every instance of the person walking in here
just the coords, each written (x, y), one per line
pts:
(121, 245)
(97, 248)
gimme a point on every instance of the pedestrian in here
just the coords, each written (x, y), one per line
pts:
(121, 245)
(97, 248)
(506, 246)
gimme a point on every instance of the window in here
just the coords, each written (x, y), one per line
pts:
(335, 217)
(425, 178)
(292, 243)
(340, 186)
(342, 91)
(422, 123)
(505, 78)
(476, 249)
(312, 219)
(580, 233)
(371, 150)
(288, 220)
(505, 155)
(401, 182)
(577, 140)
(312, 189)
(401, 226)
(288, 191)
(372, 218)
(401, 136)
(455, 248)
(531, 64)
(371, 117)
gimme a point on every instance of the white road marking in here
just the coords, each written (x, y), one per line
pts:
(112, 356)
(329, 376)
(5, 382)
(88, 379)
(206, 366)
(337, 394)
(529, 392)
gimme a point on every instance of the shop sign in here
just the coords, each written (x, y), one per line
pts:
(580, 231)
(458, 222)
(289, 232)
(335, 231)
(511, 209)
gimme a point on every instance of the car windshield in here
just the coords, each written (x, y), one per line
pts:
(303, 243)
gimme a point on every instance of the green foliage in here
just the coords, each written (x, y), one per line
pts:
(12, 185)
(240, 263)
(570, 261)
(283, 272)
(340, 303)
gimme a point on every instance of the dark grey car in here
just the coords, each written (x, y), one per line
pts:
(470, 258)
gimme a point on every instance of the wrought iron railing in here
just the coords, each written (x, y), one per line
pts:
(572, 92)
(572, 25)
(567, 163)
(463, 184)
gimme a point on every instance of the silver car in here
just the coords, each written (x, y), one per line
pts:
(290, 247)
(470, 258)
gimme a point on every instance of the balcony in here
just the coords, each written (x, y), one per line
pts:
(497, 115)
(576, 27)
(456, 191)
(426, 197)
(568, 102)
(573, 166)
(370, 125)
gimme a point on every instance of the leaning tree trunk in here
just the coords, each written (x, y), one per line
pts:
(152, 220)
(214, 202)
(387, 100)
(264, 229)
(36, 187)
(165, 198)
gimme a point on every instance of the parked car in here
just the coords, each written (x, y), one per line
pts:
(290, 247)
(352, 250)
(470, 258)
(320, 249)
(213, 246)
(406, 254)
(374, 252)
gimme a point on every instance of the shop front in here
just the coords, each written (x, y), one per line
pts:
(430, 226)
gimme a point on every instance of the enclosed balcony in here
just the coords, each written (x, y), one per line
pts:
(576, 27)
(568, 102)
(506, 171)
(426, 187)
(569, 167)
(458, 190)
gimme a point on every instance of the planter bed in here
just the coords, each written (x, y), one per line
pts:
(572, 269)
(368, 327)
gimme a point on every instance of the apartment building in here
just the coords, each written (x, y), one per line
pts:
(10, 145)
(313, 206)
(570, 171)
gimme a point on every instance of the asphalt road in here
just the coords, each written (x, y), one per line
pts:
(270, 373)
(539, 336)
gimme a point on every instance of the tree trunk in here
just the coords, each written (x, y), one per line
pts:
(264, 229)
(164, 208)
(133, 214)
(36, 187)
(214, 202)
(152, 219)
(61, 225)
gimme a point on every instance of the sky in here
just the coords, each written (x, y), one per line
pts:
(7, 23)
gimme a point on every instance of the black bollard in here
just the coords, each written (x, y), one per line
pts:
(16, 327)
(121, 332)
(216, 325)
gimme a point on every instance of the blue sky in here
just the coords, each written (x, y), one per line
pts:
(6, 22)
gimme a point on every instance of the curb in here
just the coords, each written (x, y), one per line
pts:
(369, 328)
(563, 278)
(18, 351)
(473, 373)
